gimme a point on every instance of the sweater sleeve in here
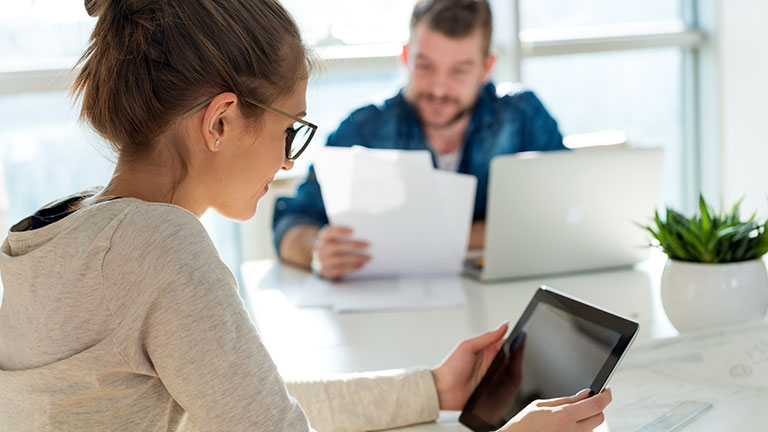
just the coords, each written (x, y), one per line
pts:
(179, 318)
(371, 401)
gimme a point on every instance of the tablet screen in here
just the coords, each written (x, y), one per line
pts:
(557, 349)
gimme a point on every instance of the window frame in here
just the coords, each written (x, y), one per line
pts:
(700, 171)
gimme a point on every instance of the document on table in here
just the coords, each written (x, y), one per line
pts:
(379, 294)
(727, 368)
(417, 219)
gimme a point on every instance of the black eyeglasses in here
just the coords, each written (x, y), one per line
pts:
(297, 137)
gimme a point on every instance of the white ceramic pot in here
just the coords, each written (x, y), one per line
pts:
(697, 295)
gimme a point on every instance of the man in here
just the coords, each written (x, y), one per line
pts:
(448, 107)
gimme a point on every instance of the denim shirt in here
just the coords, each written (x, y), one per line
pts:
(500, 124)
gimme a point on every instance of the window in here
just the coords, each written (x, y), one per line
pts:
(45, 153)
(536, 14)
(637, 92)
(596, 64)
(41, 143)
(620, 65)
(343, 22)
(48, 155)
(42, 34)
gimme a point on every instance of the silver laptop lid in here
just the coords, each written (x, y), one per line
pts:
(566, 211)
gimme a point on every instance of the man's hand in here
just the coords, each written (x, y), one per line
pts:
(335, 254)
(477, 235)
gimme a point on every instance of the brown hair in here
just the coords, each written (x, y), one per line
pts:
(148, 61)
(456, 18)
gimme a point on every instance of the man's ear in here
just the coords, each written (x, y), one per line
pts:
(404, 55)
(490, 60)
(216, 120)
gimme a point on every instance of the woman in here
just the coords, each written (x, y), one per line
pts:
(118, 313)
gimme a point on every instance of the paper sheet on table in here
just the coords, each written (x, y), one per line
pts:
(380, 294)
(727, 368)
(417, 219)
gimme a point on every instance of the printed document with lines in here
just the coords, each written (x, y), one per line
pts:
(725, 367)
(417, 219)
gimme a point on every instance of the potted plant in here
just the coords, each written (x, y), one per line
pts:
(715, 274)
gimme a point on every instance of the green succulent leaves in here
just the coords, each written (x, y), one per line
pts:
(709, 237)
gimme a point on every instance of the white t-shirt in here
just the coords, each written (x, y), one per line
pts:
(448, 161)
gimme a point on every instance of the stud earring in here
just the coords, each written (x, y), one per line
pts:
(218, 143)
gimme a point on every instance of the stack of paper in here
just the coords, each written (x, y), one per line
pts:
(417, 219)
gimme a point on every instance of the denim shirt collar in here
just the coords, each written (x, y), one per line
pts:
(484, 116)
(409, 132)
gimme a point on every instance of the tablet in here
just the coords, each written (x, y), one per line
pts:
(559, 346)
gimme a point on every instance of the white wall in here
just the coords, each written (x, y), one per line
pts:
(743, 54)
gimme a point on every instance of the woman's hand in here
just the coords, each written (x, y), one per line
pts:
(578, 413)
(459, 374)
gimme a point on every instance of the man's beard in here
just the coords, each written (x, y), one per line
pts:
(460, 113)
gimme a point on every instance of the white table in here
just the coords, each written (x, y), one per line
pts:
(312, 342)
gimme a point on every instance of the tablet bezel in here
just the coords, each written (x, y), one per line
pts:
(625, 327)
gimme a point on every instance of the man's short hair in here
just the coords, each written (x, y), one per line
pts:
(455, 18)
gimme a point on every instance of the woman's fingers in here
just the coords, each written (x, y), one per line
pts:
(591, 423)
(487, 339)
(564, 400)
(587, 408)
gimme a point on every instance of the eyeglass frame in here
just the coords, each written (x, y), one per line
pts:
(311, 126)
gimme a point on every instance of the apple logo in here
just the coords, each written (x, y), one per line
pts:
(575, 215)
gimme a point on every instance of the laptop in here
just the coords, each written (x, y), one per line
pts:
(567, 211)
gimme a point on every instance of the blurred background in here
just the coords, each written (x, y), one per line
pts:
(686, 75)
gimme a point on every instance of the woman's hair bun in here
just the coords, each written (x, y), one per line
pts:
(149, 61)
(93, 7)
(126, 8)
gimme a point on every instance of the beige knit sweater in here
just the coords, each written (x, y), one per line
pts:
(122, 316)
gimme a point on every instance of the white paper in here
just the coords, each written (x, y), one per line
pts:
(727, 368)
(416, 219)
(380, 294)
